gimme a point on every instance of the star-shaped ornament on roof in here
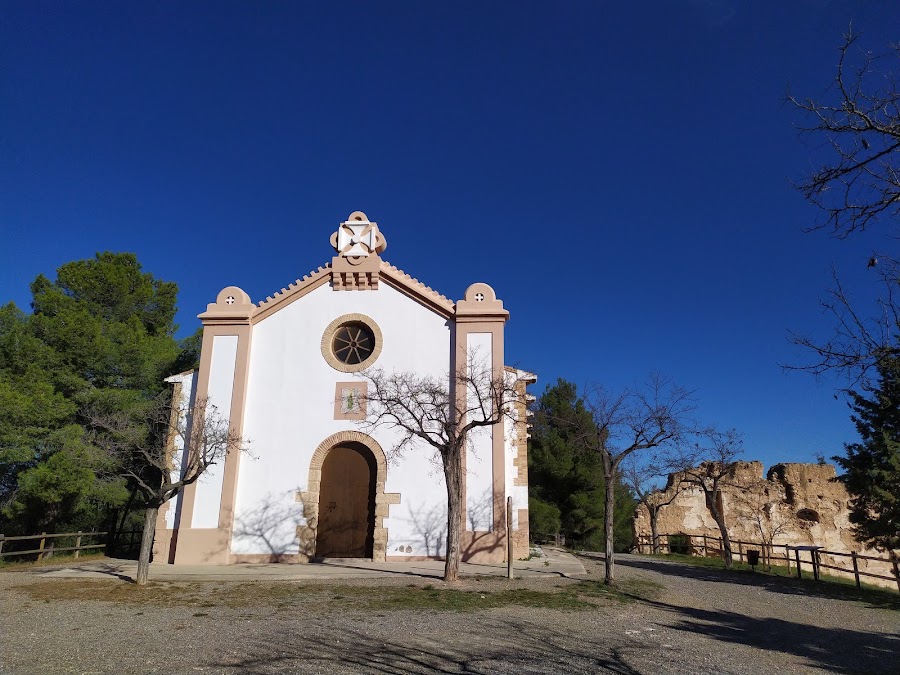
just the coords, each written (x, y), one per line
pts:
(357, 238)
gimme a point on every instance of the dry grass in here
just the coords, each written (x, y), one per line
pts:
(56, 560)
(330, 597)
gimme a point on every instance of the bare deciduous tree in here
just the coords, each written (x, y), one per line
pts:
(862, 340)
(440, 414)
(162, 448)
(635, 420)
(758, 503)
(859, 124)
(645, 480)
(710, 465)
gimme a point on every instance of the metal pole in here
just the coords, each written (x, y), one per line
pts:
(509, 539)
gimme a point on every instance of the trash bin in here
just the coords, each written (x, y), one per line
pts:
(752, 557)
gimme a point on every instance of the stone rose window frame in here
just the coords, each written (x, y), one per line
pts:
(349, 321)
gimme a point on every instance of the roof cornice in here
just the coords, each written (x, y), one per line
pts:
(418, 291)
(293, 292)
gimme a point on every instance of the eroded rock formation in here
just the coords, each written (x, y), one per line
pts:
(794, 504)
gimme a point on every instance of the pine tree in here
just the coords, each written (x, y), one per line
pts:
(566, 484)
(101, 333)
(872, 466)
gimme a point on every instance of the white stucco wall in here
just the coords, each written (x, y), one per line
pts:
(519, 493)
(479, 446)
(221, 384)
(290, 411)
(183, 404)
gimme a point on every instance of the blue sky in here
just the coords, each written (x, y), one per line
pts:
(619, 172)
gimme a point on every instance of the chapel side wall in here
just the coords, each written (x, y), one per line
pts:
(516, 434)
(290, 410)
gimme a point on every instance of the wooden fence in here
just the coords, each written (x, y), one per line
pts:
(705, 545)
(43, 551)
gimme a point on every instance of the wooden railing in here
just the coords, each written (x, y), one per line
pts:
(706, 545)
(42, 549)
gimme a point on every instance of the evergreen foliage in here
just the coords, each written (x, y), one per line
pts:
(566, 485)
(101, 333)
(872, 466)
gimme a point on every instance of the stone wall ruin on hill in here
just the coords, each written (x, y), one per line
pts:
(796, 504)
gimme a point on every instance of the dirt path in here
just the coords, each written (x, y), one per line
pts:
(701, 621)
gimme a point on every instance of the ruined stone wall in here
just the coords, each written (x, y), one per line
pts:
(795, 504)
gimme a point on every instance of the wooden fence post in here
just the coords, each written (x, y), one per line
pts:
(855, 569)
(797, 554)
(1, 545)
(41, 547)
(740, 551)
(78, 544)
(896, 569)
(705, 552)
(814, 556)
(787, 558)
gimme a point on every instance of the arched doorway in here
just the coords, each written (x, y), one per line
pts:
(346, 523)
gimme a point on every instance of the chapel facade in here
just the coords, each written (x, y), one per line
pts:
(317, 483)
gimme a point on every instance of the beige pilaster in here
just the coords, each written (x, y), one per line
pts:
(481, 312)
(230, 315)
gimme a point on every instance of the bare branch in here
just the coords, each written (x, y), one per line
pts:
(858, 344)
(163, 446)
(651, 417)
(858, 183)
(709, 464)
(441, 415)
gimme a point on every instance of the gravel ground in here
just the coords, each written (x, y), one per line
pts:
(698, 621)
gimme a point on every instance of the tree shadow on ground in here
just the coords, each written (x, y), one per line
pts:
(111, 569)
(509, 646)
(875, 599)
(838, 650)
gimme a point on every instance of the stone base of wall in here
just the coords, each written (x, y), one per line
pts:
(164, 541)
(206, 546)
(192, 546)
(521, 537)
(483, 547)
(412, 558)
(262, 558)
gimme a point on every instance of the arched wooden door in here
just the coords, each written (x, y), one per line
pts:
(346, 503)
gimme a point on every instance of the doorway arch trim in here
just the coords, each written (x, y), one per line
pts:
(310, 497)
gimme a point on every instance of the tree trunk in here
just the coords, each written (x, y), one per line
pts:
(608, 518)
(654, 530)
(453, 479)
(719, 517)
(143, 569)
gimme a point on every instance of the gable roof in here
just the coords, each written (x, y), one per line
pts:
(391, 275)
(418, 291)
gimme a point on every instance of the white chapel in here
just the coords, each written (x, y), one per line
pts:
(317, 483)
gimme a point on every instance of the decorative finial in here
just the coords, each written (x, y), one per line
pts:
(358, 238)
